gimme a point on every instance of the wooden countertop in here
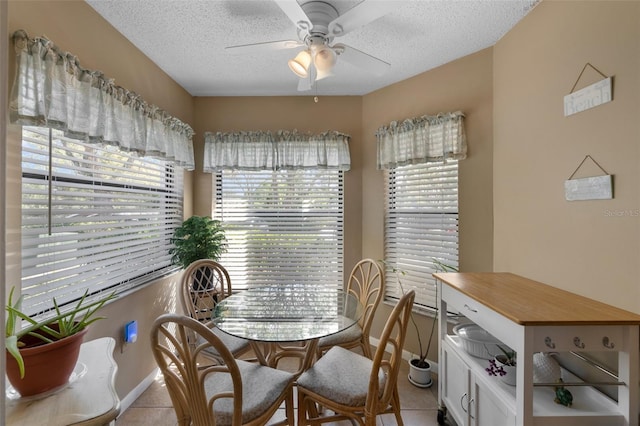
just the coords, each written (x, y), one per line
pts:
(529, 302)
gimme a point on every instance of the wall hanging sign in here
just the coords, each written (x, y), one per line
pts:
(589, 97)
(589, 188)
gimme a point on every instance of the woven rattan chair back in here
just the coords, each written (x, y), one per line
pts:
(209, 394)
(353, 386)
(204, 283)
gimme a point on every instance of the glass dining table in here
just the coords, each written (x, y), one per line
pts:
(287, 319)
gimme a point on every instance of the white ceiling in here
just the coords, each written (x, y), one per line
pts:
(187, 39)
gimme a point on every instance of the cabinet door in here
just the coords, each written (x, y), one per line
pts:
(455, 389)
(486, 409)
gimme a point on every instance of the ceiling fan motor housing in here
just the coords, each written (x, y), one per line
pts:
(320, 14)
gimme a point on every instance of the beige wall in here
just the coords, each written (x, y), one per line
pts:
(76, 28)
(463, 85)
(587, 247)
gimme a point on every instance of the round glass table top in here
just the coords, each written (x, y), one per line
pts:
(287, 312)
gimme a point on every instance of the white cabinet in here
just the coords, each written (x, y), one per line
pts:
(455, 390)
(488, 408)
(468, 396)
(532, 317)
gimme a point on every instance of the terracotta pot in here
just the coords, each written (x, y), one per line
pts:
(47, 365)
(419, 375)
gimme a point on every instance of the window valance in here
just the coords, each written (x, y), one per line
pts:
(51, 89)
(422, 139)
(282, 150)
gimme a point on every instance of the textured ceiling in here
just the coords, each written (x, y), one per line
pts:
(187, 39)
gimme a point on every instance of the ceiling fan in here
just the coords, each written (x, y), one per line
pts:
(318, 23)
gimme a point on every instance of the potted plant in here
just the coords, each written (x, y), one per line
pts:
(42, 355)
(199, 237)
(504, 366)
(420, 367)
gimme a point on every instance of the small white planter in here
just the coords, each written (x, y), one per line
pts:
(418, 376)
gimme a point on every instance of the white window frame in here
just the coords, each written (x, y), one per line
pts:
(94, 218)
(421, 228)
(291, 234)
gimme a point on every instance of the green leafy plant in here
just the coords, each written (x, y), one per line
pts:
(509, 356)
(69, 323)
(199, 237)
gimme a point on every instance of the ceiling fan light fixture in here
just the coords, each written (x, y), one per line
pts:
(300, 64)
(325, 59)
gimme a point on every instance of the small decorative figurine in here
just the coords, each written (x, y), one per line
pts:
(563, 396)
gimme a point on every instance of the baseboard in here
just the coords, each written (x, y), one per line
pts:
(406, 355)
(137, 391)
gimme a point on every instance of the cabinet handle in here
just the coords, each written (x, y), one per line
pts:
(471, 402)
(470, 308)
(462, 404)
(607, 343)
(578, 343)
(549, 343)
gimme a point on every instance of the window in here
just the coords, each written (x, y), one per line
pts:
(93, 217)
(282, 226)
(421, 225)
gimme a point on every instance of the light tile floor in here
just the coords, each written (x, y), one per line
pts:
(419, 406)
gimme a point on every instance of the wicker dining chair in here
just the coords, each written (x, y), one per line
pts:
(232, 392)
(353, 386)
(204, 283)
(367, 283)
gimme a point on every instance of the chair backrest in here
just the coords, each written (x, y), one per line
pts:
(204, 283)
(184, 377)
(393, 337)
(366, 282)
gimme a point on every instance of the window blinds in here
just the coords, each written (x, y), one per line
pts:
(421, 225)
(104, 222)
(282, 226)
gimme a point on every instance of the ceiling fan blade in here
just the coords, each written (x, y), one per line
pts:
(362, 60)
(263, 47)
(295, 13)
(307, 83)
(360, 15)
(324, 74)
(304, 84)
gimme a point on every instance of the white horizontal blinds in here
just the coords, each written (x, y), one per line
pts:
(421, 225)
(282, 226)
(107, 226)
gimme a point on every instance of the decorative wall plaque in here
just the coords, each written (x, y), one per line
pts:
(589, 97)
(589, 188)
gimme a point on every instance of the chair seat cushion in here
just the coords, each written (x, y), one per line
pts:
(261, 386)
(341, 376)
(235, 344)
(350, 334)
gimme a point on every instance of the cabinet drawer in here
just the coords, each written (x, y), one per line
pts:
(457, 301)
(501, 327)
(578, 338)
